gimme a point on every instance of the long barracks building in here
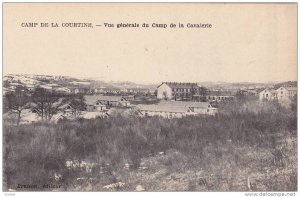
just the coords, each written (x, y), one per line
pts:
(177, 91)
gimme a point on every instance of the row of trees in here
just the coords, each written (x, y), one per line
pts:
(41, 101)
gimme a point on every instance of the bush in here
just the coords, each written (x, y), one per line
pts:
(32, 153)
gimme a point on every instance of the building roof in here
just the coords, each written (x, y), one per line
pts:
(92, 99)
(7, 90)
(219, 93)
(163, 108)
(64, 106)
(15, 84)
(91, 115)
(269, 90)
(110, 98)
(10, 115)
(291, 88)
(179, 85)
(185, 104)
(57, 117)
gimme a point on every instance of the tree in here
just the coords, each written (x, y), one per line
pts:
(17, 101)
(293, 104)
(44, 101)
(240, 96)
(203, 93)
(78, 103)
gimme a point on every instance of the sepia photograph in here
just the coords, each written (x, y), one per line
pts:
(149, 97)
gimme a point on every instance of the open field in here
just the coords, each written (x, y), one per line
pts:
(236, 150)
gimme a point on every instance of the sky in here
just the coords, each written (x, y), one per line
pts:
(247, 42)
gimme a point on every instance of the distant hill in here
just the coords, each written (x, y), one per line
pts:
(287, 84)
(67, 81)
(71, 81)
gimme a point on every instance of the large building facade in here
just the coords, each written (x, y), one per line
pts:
(176, 91)
(284, 95)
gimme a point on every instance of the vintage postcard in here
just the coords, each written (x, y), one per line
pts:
(112, 97)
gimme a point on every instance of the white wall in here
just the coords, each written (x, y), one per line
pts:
(266, 95)
(164, 88)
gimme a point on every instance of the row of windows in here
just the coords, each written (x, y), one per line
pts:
(218, 98)
(180, 94)
(181, 89)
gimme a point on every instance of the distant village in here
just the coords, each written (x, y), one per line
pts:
(33, 98)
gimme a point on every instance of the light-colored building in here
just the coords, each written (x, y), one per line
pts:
(93, 114)
(93, 104)
(64, 90)
(219, 98)
(197, 107)
(286, 93)
(176, 91)
(176, 109)
(67, 110)
(99, 102)
(268, 95)
(14, 85)
(7, 90)
(30, 87)
(164, 111)
(129, 97)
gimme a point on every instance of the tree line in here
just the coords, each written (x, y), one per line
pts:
(41, 101)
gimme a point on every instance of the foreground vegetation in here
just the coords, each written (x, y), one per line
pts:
(237, 150)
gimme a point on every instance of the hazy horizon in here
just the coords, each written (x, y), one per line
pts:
(150, 83)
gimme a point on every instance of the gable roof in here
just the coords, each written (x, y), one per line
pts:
(179, 85)
(64, 106)
(291, 88)
(185, 104)
(91, 115)
(219, 93)
(92, 99)
(110, 98)
(10, 115)
(163, 108)
(269, 90)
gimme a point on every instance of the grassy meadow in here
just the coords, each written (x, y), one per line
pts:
(246, 147)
